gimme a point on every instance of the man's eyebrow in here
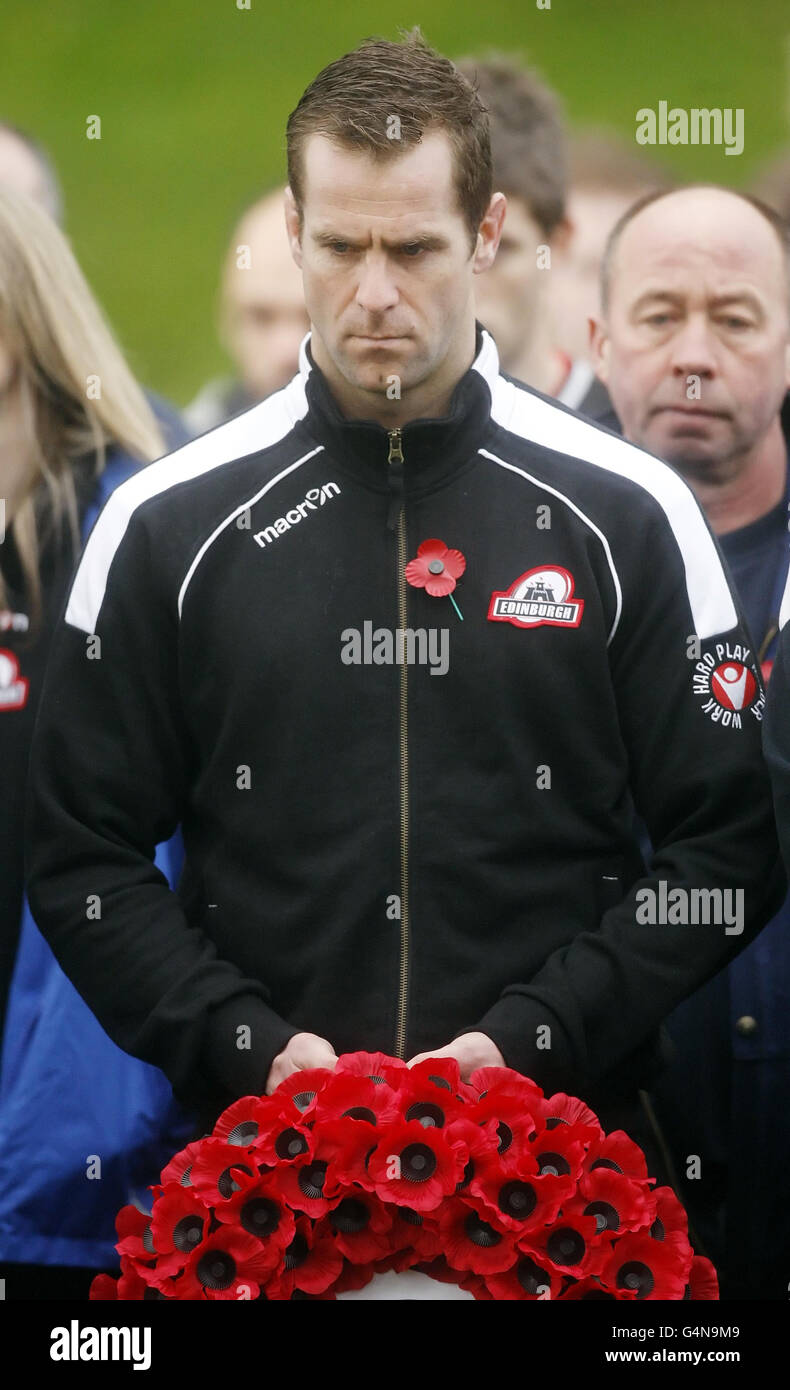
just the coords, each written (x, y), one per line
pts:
(736, 296)
(664, 296)
(429, 241)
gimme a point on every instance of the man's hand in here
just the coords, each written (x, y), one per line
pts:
(471, 1050)
(305, 1050)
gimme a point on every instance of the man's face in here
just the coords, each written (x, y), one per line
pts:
(264, 314)
(695, 349)
(386, 260)
(508, 296)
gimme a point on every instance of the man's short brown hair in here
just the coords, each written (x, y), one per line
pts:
(528, 143)
(382, 99)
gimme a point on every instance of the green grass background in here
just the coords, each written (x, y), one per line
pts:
(193, 97)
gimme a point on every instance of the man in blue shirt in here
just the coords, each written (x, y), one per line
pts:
(693, 345)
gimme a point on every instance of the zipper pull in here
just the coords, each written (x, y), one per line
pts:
(395, 477)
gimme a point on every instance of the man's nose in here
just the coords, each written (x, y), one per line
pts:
(376, 290)
(693, 349)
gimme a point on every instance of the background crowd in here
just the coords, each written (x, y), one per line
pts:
(75, 421)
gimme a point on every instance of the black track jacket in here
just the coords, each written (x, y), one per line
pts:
(391, 840)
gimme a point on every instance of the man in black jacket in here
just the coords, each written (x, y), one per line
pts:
(385, 849)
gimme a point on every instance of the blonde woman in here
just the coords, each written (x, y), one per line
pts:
(73, 424)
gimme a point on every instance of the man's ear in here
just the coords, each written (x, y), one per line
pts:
(600, 347)
(489, 233)
(292, 227)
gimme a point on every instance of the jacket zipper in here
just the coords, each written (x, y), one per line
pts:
(397, 517)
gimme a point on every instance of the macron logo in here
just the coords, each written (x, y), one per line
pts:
(75, 1343)
(314, 498)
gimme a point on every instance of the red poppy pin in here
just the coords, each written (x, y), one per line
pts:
(436, 570)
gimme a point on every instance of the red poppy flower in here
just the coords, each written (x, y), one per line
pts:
(617, 1204)
(429, 1093)
(571, 1244)
(517, 1198)
(435, 569)
(361, 1227)
(654, 1269)
(669, 1215)
(128, 1288)
(377, 1066)
(619, 1153)
(312, 1185)
(283, 1136)
(228, 1264)
(415, 1237)
(180, 1221)
(137, 1243)
(702, 1280)
(525, 1280)
(244, 1120)
(414, 1166)
(179, 1169)
(591, 1289)
(220, 1169)
(301, 1088)
(568, 1110)
(104, 1288)
(355, 1099)
(260, 1209)
(470, 1242)
(353, 1277)
(311, 1263)
(508, 1106)
(481, 1142)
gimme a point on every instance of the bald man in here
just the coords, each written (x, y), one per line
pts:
(262, 317)
(693, 344)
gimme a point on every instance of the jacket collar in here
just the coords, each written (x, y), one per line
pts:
(433, 449)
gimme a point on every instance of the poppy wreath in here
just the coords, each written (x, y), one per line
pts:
(340, 1175)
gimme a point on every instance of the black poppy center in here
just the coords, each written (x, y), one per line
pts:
(297, 1252)
(530, 1276)
(311, 1179)
(479, 1232)
(148, 1240)
(360, 1112)
(658, 1230)
(243, 1133)
(303, 1098)
(517, 1199)
(565, 1246)
(554, 1164)
(607, 1218)
(350, 1216)
(505, 1135)
(636, 1275)
(260, 1216)
(187, 1233)
(216, 1269)
(410, 1216)
(440, 1081)
(417, 1163)
(606, 1163)
(427, 1114)
(185, 1179)
(227, 1184)
(469, 1172)
(290, 1144)
(553, 1121)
